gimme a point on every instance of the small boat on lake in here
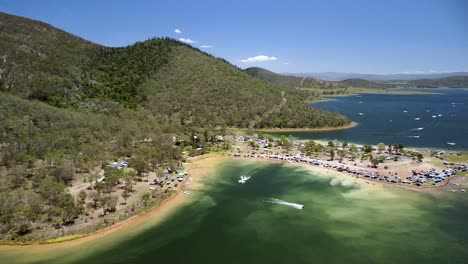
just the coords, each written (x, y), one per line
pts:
(243, 178)
(361, 114)
(451, 143)
(417, 118)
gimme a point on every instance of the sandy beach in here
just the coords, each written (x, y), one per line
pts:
(198, 170)
(350, 125)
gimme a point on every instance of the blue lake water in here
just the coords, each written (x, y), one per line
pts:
(428, 120)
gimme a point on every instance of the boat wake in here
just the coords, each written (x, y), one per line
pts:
(413, 136)
(417, 129)
(278, 201)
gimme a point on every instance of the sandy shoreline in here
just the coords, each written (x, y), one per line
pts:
(200, 167)
(351, 125)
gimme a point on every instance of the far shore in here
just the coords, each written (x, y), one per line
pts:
(350, 125)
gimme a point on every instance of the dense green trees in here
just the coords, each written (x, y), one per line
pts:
(68, 107)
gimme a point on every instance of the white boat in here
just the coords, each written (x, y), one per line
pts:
(439, 115)
(243, 178)
(451, 143)
(405, 111)
(417, 118)
(361, 114)
(434, 116)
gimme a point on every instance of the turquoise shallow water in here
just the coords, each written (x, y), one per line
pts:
(342, 222)
(384, 119)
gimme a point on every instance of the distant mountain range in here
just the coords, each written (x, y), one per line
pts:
(338, 76)
(365, 81)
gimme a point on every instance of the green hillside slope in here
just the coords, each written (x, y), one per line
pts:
(162, 74)
(291, 81)
(451, 82)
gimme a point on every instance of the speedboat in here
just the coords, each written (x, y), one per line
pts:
(243, 178)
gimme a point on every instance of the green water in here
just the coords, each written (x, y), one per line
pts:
(342, 222)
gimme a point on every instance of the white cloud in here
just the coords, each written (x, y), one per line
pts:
(206, 47)
(187, 40)
(259, 58)
(178, 31)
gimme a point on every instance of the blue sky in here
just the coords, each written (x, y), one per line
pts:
(372, 36)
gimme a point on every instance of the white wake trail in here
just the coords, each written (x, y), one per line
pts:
(278, 201)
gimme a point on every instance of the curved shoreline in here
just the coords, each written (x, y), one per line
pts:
(167, 204)
(99, 233)
(174, 200)
(350, 125)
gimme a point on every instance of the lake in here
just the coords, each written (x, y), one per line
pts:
(427, 120)
(230, 222)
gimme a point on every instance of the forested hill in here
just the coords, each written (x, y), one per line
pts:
(164, 75)
(362, 83)
(291, 81)
(452, 82)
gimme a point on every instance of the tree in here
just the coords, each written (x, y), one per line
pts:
(125, 194)
(139, 165)
(353, 148)
(310, 147)
(401, 147)
(367, 148)
(331, 144)
(145, 199)
(82, 196)
(51, 190)
(69, 209)
(345, 144)
(95, 197)
(112, 203)
(104, 200)
(375, 162)
(419, 156)
(381, 147)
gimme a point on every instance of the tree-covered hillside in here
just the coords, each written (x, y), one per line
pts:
(451, 82)
(361, 83)
(44, 63)
(292, 81)
(69, 108)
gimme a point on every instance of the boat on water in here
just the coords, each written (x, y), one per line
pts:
(244, 178)
(439, 115)
(405, 111)
(417, 118)
(451, 143)
(434, 116)
(361, 114)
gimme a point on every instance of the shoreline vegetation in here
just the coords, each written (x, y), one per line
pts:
(350, 125)
(199, 168)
